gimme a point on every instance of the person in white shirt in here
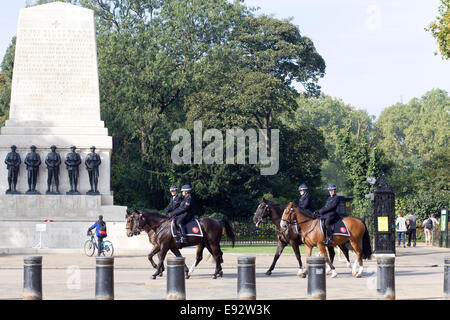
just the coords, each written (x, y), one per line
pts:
(400, 226)
(428, 227)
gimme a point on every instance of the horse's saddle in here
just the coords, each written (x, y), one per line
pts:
(192, 229)
(339, 228)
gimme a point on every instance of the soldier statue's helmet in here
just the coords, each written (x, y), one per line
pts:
(33, 147)
(331, 187)
(186, 187)
(73, 147)
(53, 147)
(173, 188)
(303, 187)
(13, 146)
(92, 148)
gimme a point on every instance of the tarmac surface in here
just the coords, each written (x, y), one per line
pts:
(419, 274)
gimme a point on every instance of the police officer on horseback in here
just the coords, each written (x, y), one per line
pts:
(328, 213)
(184, 213)
(175, 201)
(305, 199)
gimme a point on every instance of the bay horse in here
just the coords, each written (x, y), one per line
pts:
(153, 241)
(273, 210)
(212, 234)
(312, 237)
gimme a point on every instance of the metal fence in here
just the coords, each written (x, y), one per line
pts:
(247, 233)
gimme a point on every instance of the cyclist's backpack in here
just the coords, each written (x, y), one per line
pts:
(429, 224)
(102, 229)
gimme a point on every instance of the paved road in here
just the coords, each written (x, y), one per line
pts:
(419, 275)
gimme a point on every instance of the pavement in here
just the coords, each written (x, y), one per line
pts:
(70, 275)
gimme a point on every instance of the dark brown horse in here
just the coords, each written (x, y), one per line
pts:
(312, 237)
(212, 234)
(152, 239)
(273, 210)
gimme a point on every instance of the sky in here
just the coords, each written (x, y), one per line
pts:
(377, 52)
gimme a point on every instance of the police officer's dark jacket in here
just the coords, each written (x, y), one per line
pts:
(174, 203)
(305, 202)
(186, 206)
(330, 206)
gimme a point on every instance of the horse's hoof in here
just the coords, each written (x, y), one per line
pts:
(304, 275)
(333, 274)
(153, 277)
(160, 275)
(214, 277)
(220, 274)
(187, 276)
(268, 273)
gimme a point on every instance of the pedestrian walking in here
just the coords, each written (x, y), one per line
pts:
(412, 225)
(428, 227)
(400, 227)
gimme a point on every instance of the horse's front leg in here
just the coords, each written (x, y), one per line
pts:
(301, 271)
(330, 268)
(280, 247)
(161, 255)
(154, 251)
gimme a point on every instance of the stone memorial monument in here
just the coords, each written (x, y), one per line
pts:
(55, 102)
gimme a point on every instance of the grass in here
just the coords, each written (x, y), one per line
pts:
(260, 249)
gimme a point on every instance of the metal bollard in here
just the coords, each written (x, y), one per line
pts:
(32, 278)
(104, 278)
(176, 289)
(386, 276)
(447, 277)
(317, 289)
(246, 281)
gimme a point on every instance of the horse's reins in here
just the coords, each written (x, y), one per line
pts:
(290, 221)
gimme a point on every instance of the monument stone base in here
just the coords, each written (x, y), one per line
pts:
(66, 219)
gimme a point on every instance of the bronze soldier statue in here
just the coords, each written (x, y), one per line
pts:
(32, 161)
(72, 162)
(53, 161)
(92, 162)
(13, 162)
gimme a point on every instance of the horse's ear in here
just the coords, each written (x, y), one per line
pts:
(264, 200)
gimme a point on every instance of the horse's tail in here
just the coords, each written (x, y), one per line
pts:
(366, 247)
(229, 231)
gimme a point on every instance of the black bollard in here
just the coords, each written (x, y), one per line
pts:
(447, 277)
(317, 289)
(246, 286)
(32, 278)
(176, 289)
(104, 278)
(386, 276)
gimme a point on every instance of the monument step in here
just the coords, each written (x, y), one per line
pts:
(93, 131)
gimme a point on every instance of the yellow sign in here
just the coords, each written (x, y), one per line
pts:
(383, 224)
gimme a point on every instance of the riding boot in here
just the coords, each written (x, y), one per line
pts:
(329, 237)
(183, 233)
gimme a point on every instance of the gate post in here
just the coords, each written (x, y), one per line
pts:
(384, 217)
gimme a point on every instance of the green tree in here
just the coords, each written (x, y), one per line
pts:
(331, 116)
(440, 29)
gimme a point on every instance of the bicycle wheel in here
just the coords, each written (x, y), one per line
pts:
(89, 248)
(108, 249)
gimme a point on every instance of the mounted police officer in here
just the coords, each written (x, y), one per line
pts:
(305, 199)
(328, 212)
(175, 201)
(304, 203)
(184, 213)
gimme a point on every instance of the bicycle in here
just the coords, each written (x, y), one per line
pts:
(91, 244)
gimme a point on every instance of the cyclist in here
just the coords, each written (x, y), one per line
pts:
(100, 226)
